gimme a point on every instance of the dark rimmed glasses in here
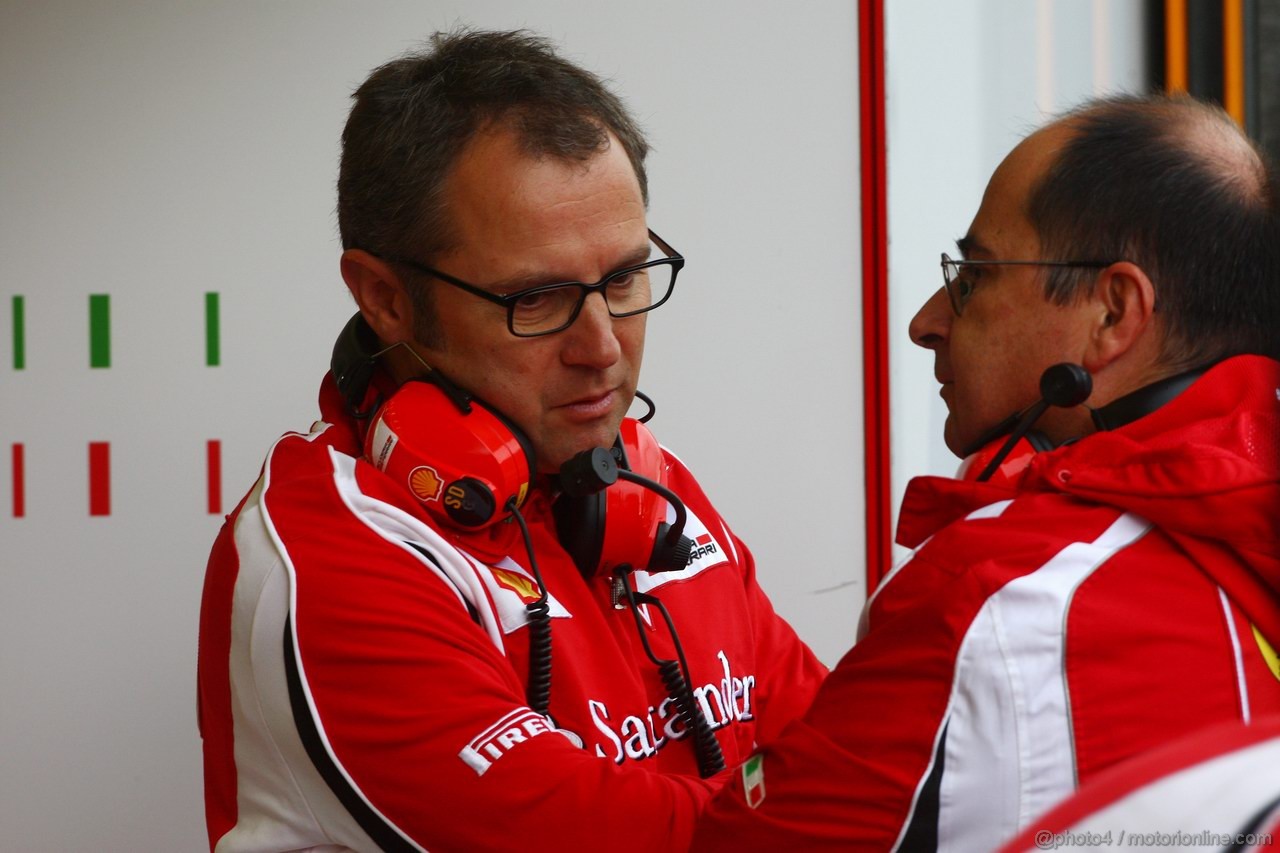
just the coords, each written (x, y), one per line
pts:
(960, 277)
(550, 308)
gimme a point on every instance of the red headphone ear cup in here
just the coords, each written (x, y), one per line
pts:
(619, 524)
(632, 512)
(463, 467)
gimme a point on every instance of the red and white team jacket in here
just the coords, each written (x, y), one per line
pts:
(1218, 789)
(1126, 591)
(362, 680)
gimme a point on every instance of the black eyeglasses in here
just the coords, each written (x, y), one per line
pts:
(550, 308)
(960, 277)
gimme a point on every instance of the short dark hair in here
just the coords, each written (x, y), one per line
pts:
(1172, 185)
(414, 115)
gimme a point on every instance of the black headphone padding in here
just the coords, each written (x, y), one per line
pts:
(580, 521)
(352, 363)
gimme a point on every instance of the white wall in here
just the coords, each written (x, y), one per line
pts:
(156, 150)
(966, 81)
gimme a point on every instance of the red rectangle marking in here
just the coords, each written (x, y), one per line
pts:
(99, 478)
(19, 481)
(213, 455)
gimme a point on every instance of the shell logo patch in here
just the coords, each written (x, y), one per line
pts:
(511, 589)
(517, 583)
(425, 483)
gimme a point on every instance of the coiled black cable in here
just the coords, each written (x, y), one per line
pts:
(706, 747)
(675, 675)
(538, 688)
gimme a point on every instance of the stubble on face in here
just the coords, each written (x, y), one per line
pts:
(522, 221)
(993, 355)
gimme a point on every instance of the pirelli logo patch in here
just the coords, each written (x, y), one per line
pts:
(520, 726)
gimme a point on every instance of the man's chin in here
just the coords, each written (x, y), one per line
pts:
(951, 437)
(551, 460)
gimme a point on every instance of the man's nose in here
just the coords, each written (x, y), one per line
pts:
(931, 326)
(591, 339)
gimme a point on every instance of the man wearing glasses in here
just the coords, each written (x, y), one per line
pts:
(427, 661)
(1122, 588)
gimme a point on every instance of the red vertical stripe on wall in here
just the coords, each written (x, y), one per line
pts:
(213, 455)
(19, 481)
(99, 478)
(875, 288)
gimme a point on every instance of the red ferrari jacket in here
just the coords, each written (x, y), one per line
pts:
(1124, 592)
(362, 679)
(1218, 789)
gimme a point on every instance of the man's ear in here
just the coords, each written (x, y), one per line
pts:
(380, 294)
(1125, 300)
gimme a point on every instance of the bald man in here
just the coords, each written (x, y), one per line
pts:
(1117, 587)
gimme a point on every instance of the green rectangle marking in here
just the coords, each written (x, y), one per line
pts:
(212, 341)
(99, 330)
(19, 333)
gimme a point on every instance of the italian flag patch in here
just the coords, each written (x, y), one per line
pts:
(753, 780)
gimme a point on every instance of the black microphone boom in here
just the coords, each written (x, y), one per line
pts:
(1064, 385)
(588, 472)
